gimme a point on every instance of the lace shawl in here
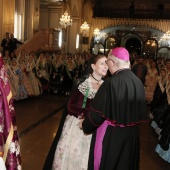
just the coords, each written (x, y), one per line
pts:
(87, 84)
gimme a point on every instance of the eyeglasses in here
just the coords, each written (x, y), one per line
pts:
(109, 60)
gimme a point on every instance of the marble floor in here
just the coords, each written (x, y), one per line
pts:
(38, 119)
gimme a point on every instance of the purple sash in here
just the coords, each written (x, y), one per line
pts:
(99, 140)
(98, 144)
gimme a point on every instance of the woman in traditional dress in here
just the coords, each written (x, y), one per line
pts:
(163, 148)
(151, 81)
(49, 60)
(33, 55)
(42, 71)
(73, 147)
(10, 158)
(31, 73)
(68, 75)
(13, 79)
(22, 93)
(160, 87)
(159, 105)
(7, 56)
(24, 55)
(79, 63)
(55, 75)
(13, 55)
(25, 79)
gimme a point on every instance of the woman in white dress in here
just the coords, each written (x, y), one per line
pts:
(72, 150)
(151, 81)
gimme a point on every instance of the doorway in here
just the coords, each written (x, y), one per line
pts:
(133, 45)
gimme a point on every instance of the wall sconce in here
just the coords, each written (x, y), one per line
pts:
(153, 44)
(148, 42)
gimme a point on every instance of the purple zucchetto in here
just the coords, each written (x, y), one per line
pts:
(121, 53)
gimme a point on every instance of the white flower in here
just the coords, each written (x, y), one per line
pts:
(17, 148)
(11, 108)
(1, 113)
(1, 128)
(12, 147)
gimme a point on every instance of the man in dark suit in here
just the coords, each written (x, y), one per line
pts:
(14, 42)
(140, 69)
(6, 43)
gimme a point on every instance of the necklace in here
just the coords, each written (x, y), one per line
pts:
(95, 78)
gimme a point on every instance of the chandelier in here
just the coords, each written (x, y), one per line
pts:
(85, 26)
(166, 36)
(96, 32)
(165, 39)
(98, 35)
(65, 20)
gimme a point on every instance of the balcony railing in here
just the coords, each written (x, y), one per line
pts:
(44, 40)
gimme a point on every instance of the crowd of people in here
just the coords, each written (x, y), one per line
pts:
(155, 76)
(32, 74)
(160, 109)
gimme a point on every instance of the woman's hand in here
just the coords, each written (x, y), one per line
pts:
(80, 124)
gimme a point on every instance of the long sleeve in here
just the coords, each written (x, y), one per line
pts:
(75, 104)
(92, 121)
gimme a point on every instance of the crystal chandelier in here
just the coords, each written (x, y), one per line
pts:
(165, 37)
(85, 26)
(65, 20)
(98, 35)
(96, 32)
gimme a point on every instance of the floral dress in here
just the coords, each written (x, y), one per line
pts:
(72, 151)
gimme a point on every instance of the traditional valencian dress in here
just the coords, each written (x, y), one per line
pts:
(159, 90)
(22, 93)
(73, 147)
(42, 72)
(151, 82)
(25, 79)
(55, 76)
(68, 74)
(9, 144)
(33, 79)
(13, 80)
(117, 109)
(163, 148)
